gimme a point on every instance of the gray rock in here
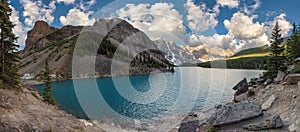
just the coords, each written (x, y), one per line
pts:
(241, 97)
(273, 123)
(276, 122)
(267, 105)
(189, 124)
(293, 128)
(280, 77)
(267, 82)
(261, 80)
(292, 78)
(233, 113)
(297, 60)
(242, 86)
(290, 68)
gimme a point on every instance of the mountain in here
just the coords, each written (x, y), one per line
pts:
(253, 58)
(107, 41)
(187, 55)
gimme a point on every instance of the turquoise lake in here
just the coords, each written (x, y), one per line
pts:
(148, 96)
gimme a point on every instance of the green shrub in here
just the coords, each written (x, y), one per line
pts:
(212, 129)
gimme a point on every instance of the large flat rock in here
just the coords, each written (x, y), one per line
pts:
(234, 113)
(267, 105)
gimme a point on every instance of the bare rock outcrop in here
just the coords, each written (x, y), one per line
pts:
(273, 123)
(268, 104)
(234, 113)
(25, 111)
(40, 30)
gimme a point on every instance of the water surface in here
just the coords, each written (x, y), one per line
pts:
(148, 96)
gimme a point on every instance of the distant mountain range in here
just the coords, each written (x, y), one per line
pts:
(104, 38)
(183, 55)
(58, 45)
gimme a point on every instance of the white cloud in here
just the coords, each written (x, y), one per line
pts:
(224, 41)
(159, 17)
(86, 5)
(251, 43)
(66, 2)
(77, 17)
(34, 11)
(18, 29)
(229, 3)
(284, 25)
(200, 18)
(228, 41)
(250, 9)
(243, 27)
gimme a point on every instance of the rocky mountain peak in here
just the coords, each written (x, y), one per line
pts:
(39, 30)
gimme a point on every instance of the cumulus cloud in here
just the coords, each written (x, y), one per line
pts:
(243, 27)
(18, 29)
(251, 43)
(159, 17)
(223, 41)
(229, 3)
(200, 18)
(36, 10)
(66, 2)
(284, 25)
(77, 17)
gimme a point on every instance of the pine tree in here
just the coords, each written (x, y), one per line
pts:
(277, 59)
(293, 45)
(47, 94)
(9, 58)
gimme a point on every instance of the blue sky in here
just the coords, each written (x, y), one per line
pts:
(258, 14)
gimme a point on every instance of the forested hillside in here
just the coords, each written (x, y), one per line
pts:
(253, 58)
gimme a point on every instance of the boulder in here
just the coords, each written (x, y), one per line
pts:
(242, 86)
(241, 97)
(297, 61)
(293, 128)
(273, 123)
(292, 78)
(280, 77)
(267, 105)
(234, 113)
(190, 124)
(267, 82)
(261, 80)
(290, 68)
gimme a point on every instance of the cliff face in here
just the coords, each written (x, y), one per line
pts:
(40, 30)
(42, 35)
(103, 38)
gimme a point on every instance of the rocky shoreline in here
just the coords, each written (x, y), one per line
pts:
(260, 105)
(264, 105)
(30, 82)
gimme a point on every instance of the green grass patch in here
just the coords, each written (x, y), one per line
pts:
(253, 51)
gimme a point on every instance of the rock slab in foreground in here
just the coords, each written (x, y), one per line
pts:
(267, 105)
(234, 113)
(273, 123)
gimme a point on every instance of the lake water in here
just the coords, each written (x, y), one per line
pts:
(148, 97)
